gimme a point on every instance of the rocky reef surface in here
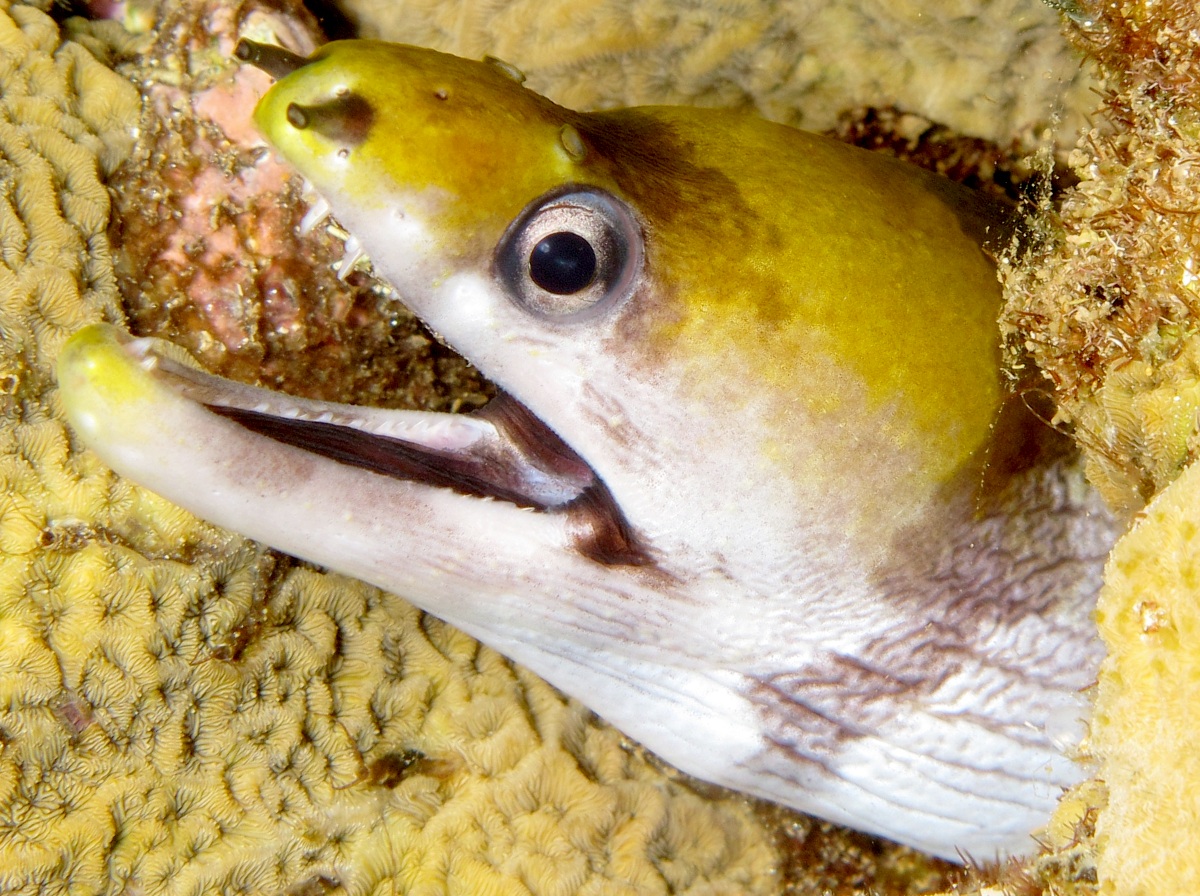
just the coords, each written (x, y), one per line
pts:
(184, 712)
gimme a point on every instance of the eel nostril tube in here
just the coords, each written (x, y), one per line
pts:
(345, 119)
(272, 59)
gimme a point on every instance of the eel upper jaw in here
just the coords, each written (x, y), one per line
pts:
(502, 452)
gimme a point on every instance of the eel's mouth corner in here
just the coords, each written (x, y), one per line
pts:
(501, 452)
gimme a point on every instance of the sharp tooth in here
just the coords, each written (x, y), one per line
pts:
(354, 252)
(317, 212)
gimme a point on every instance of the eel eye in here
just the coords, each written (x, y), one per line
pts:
(569, 253)
(563, 263)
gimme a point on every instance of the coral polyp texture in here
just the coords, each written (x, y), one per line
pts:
(184, 713)
(1110, 312)
(991, 68)
(1144, 721)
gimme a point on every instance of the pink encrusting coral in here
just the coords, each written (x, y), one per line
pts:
(207, 242)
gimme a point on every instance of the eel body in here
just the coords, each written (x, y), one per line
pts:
(749, 490)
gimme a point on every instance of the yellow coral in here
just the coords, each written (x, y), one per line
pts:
(181, 712)
(1149, 616)
(1110, 313)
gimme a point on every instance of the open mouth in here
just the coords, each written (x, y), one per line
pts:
(501, 452)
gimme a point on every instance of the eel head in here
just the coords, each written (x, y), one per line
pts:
(734, 491)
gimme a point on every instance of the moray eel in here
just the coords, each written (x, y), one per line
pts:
(749, 488)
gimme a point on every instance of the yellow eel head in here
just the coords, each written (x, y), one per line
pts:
(730, 494)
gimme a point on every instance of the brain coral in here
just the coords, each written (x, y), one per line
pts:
(181, 712)
(991, 68)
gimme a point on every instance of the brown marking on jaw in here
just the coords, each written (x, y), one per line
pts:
(601, 410)
(809, 714)
(599, 531)
(968, 575)
(865, 693)
(1008, 539)
(532, 437)
(799, 739)
(964, 580)
(602, 534)
(481, 475)
(346, 119)
(376, 454)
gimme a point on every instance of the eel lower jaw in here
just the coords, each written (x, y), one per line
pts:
(502, 452)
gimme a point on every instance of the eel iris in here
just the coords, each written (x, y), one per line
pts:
(751, 489)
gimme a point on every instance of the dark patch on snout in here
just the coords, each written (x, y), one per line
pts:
(346, 119)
